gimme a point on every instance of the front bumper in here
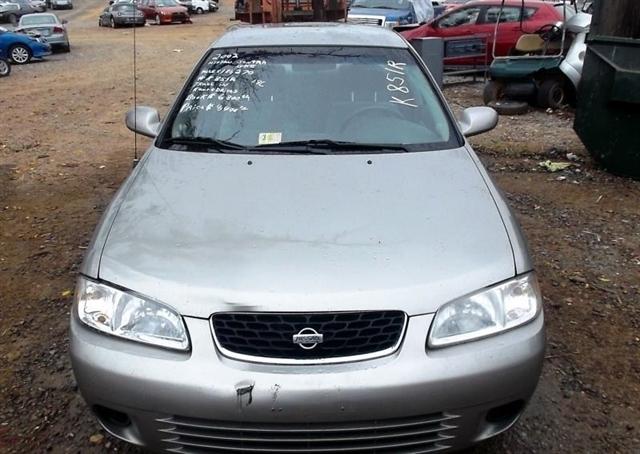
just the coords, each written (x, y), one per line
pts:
(175, 400)
(41, 50)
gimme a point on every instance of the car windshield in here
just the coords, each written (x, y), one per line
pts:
(38, 20)
(126, 7)
(385, 4)
(262, 96)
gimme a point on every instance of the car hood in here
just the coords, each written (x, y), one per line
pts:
(214, 232)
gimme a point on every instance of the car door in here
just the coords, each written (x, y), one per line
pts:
(509, 27)
(459, 23)
(148, 8)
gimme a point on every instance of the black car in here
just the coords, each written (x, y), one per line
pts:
(121, 14)
(9, 12)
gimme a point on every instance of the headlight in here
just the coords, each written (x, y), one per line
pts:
(487, 312)
(123, 314)
(391, 24)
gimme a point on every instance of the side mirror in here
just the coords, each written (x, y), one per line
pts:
(476, 120)
(143, 120)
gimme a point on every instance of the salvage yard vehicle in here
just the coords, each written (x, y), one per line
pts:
(333, 275)
(9, 12)
(121, 14)
(478, 18)
(60, 4)
(21, 48)
(48, 26)
(390, 13)
(548, 70)
(164, 11)
(39, 5)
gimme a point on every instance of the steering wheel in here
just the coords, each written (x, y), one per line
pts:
(365, 111)
(549, 31)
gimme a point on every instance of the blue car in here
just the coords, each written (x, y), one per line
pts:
(390, 13)
(20, 48)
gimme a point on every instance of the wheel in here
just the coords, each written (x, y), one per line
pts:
(492, 92)
(20, 54)
(5, 68)
(508, 107)
(199, 11)
(551, 93)
(158, 19)
(112, 23)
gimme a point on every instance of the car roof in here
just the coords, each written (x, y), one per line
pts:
(309, 34)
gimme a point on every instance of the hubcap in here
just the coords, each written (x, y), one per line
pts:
(20, 55)
(4, 67)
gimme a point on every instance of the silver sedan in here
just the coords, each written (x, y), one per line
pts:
(309, 258)
(47, 26)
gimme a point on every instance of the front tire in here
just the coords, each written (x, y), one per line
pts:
(5, 68)
(199, 11)
(20, 54)
(551, 94)
(112, 23)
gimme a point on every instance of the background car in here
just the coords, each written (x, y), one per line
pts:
(12, 14)
(39, 5)
(21, 48)
(478, 18)
(60, 4)
(199, 6)
(390, 13)
(121, 14)
(213, 6)
(9, 12)
(164, 11)
(47, 25)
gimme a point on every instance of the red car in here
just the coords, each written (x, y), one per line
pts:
(164, 11)
(478, 18)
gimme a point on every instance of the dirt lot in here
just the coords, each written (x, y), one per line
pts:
(64, 151)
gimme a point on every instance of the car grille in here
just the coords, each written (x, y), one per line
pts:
(178, 17)
(364, 20)
(347, 336)
(430, 433)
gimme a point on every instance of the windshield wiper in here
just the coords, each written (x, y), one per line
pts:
(206, 142)
(329, 146)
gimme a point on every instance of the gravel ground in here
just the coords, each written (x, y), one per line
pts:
(64, 151)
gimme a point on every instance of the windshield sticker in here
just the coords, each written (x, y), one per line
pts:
(224, 84)
(269, 138)
(400, 92)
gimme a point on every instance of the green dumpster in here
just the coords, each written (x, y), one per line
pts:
(608, 109)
